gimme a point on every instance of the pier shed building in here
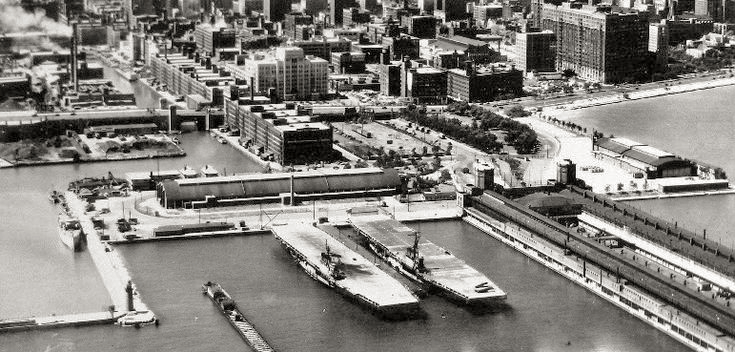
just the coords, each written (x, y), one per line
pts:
(288, 188)
(638, 157)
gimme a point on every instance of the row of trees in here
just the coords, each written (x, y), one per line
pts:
(519, 135)
(481, 139)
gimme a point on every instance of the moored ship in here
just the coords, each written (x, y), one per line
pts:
(70, 232)
(333, 264)
(425, 262)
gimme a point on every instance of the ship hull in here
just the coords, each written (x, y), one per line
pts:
(393, 312)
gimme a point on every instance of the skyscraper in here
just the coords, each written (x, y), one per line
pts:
(275, 10)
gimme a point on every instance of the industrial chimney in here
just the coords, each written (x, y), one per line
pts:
(74, 54)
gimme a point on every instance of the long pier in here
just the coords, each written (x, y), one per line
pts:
(527, 227)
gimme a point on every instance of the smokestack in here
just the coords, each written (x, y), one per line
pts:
(252, 89)
(74, 53)
(293, 200)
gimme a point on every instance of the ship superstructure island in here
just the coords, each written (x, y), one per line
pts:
(424, 261)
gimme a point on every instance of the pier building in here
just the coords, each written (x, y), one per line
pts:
(288, 188)
(638, 157)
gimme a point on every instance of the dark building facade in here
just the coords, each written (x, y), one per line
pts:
(487, 85)
(275, 10)
(402, 46)
(600, 43)
(423, 27)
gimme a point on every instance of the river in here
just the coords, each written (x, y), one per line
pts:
(295, 313)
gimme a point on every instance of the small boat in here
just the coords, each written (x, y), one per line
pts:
(176, 140)
(138, 319)
(221, 140)
(70, 232)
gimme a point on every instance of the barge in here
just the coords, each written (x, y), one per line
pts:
(229, 309)
(425, 262)
(333, 264)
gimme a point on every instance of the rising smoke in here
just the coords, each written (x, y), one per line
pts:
(13, 18)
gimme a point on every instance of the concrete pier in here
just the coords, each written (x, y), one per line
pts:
(110, 265)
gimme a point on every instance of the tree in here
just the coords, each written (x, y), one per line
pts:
(568, 73)
(620, 187)
(445, 175)
(424, 150)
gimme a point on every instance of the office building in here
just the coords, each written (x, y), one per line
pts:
(210, 38)
(535, 51)
(277, 132)
(336, 8)
(482, 13)
(323, 47)
(450, 10)
(354, 16)
(286, 74)
(477, 86)
(423, 84)
(400, 47)
(422, 27)
(275, 10)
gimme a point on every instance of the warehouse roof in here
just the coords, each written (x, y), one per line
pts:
(264, 185)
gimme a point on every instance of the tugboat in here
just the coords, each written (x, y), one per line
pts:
(138, 319)
(70, 232)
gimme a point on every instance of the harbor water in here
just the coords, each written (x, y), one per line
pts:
(697, 125)
(293, 312)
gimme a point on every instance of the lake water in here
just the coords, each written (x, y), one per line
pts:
(295, 313)
(698, 125)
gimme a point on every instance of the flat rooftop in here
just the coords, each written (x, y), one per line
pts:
(444, 269)
(362, 276)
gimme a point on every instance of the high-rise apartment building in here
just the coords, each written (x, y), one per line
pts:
(600, 43)
(291, 74)
(335, 10)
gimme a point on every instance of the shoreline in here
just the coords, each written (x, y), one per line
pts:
(558, 110)
(84, 161)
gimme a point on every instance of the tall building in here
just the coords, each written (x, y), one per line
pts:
(423, 27)
(450, 10)
(600, 43)
(335, 10)
(291, 74)
(323, 47)
(535, 51)
(658, 44)
(209, 38)
(70, 9)
(275, 10)
(353, 16)
(482, 13)
(423, 84)
(402, 46)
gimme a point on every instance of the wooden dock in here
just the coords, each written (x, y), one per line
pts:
(228, 308)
